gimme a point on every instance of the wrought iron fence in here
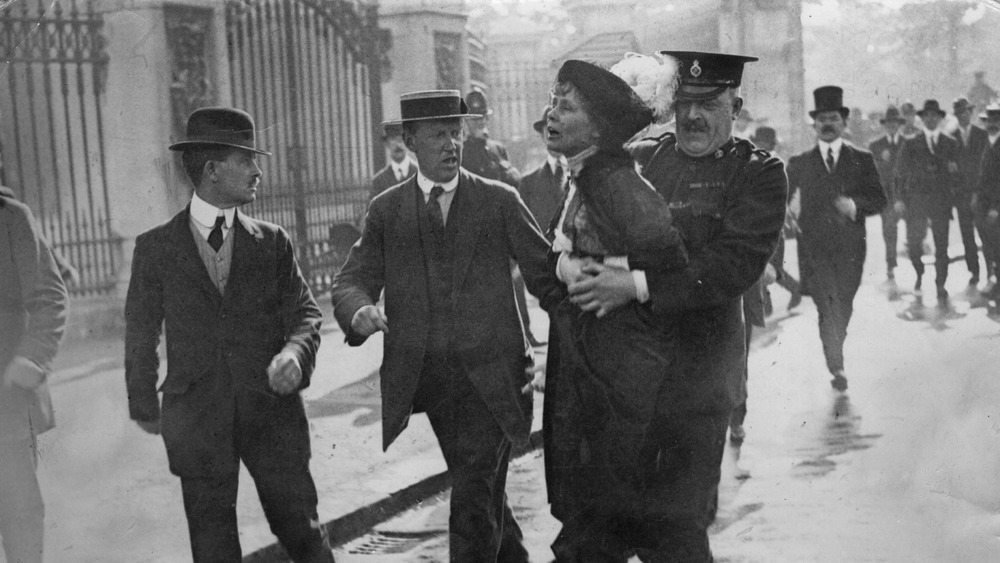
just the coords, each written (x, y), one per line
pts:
(308, 70)
(51, 131)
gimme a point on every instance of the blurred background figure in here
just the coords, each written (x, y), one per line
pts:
(988, 196)
(911, 125)
(885, 150)
(972, 142)
(399, 165)
(32, 316)
(482, 155)
(980, 93)
(745, 124)
(542, 188)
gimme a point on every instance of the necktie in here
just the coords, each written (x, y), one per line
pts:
(829, 159)
(215, 237)
(434, 215)
(399, 174)
(933, 145)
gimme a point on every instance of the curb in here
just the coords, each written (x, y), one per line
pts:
(355, 524)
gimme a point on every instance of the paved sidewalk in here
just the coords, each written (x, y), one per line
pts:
(110, 497)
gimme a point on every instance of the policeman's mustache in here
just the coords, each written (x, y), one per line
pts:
(694, 126)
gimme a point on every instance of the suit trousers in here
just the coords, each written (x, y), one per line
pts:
(921, 210)
(284, 485)
(739, 413)
(989, 232)
(967, 227)
(481, 526)
(21, 510)
(890, 234)
(834, 283)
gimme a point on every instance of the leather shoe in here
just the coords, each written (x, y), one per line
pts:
(737, 434)
(839, 382)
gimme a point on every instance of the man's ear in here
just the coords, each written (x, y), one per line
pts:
(409, 141)
(737, 106)
(209, 172)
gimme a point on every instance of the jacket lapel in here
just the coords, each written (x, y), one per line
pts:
(244, 262)
(466, 211)
(188, 259)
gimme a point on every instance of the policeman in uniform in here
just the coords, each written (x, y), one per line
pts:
(480, 154)
(728, 200)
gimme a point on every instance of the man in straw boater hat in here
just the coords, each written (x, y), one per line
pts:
(242, 333)
(440, 246)
(840, 187)
(972, 142)
(885, 150)
(728, 200)
(928, 167)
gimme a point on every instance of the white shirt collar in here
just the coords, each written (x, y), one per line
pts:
(426, 184)
(555, 162)
(994, 137)
(400, 167)
(836, 145)
(205, 213)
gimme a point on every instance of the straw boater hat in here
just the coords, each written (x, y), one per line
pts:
(431, 104)
(219, 127)
(992, 112)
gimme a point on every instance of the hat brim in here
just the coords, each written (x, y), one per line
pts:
(844, 112)
(940, 112)
(898, 120)
(429, 118)
(185, 145)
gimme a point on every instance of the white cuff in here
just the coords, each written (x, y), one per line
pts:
(641, 288)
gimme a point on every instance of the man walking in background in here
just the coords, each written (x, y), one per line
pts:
(399, 166)
(242, 333)
(840, 187)
(886, 151)
(972, 142)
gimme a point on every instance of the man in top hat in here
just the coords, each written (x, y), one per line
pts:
(886, 151)
(400, 166)
(839, 187)
(482, 155)
(972, 142)
(242, 333)
(928, 165)
(987, 197)
(440, 246)
(729, 202)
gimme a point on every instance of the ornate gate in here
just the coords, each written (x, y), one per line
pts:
(51, 131)
(308, 70)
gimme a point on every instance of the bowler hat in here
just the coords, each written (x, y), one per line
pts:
(392, 129)
(219, 126)
(907, 109)
(931, 106)
(540, 124)
(892, 114)
(961, 104)
(426, 105)
(765, 135)
(476, 101)
(829, 98)
(718, 70)
(622, 111)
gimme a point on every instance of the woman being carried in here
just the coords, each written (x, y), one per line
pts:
(604, 370)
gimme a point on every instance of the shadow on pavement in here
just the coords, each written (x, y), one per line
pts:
(361, 395)
(838, 435)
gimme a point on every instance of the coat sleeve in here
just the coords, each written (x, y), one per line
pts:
(43, 293)
(868, 194)
(989, 180)
(143, 322)
(300, 316)
(734, 258)
(530, 249)
(360, 281)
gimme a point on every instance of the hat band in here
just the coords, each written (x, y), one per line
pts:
(426, 108)
(698, 96)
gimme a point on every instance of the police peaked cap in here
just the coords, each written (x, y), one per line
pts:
(719, 71)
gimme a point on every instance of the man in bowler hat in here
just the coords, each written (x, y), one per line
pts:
(728, 200)
(885, 150)
(242, 333)
(840, 187)
(928, 166)
(400, 166)
(440, 246)
(972, 142)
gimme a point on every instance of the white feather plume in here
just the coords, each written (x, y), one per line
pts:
(655, 81)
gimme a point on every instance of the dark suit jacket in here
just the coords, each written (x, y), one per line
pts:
(970, 157)
(488, 158)
(493, 226)
(542, 192)
(927, 175)
(210, 337)
(886, 157)
(989, 180)
(386, 178)
(32, 315)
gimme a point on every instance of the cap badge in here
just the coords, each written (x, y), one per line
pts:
(695, 69)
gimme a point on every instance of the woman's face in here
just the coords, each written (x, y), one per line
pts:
(570, 129)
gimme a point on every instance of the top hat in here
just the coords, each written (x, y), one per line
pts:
(829, 98)
(623, 111)
(765, 135)
(931, 106)
(477, 103)
(892, 114)
(718, 70)
(218, 126)
(540, 124)
(992, 112)
(426, 105)
(961, 104)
